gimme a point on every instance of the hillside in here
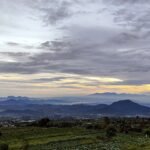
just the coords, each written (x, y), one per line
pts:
(23, 108)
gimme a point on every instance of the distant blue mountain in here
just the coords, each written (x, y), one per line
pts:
(112, 97)
(107, 93)
(93, 99)
(115, 94)
(26, 108)
(126, 107)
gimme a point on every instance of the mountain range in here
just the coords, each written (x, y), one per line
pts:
(23, 107)
(92, 99)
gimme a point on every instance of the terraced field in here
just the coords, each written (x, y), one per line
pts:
(34, 138)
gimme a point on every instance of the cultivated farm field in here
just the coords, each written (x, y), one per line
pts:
(75, 138)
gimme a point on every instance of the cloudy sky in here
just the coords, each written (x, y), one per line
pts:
(74, 47)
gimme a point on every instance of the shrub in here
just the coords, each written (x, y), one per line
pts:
(3, 146)
(111, 131)
(147, 133)
(136, 130)
(25, 145)
(106, 121)
(43, 122)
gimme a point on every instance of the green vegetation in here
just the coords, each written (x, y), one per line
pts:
(111, 131)
(102, 134)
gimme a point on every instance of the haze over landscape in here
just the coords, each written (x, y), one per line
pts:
(72, 48)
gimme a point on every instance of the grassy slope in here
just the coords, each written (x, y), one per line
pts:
(70, 139)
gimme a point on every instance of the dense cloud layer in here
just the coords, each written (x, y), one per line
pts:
(105, 38)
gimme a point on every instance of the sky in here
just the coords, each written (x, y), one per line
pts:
(57, 48)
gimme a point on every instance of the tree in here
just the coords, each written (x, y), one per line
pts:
(106, 121)
(3, 146)
(43, 122)
(147, 133)
(25, 145)
(111, 131)
(0, 134)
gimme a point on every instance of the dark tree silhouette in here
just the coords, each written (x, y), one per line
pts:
(111, 131)
(43, 122)
(3, 146)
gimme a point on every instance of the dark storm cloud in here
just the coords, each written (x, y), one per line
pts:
(131, 13)
(16, 54)
(53, 12)
(122, 2)
(85, 56)
(12, 44)
(45, 80)
(56, 15)
(17, 67)
(54, 46)
(20, 45)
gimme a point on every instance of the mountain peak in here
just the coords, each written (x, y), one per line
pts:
(127, 107)
(106, 93)
(124, 102)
